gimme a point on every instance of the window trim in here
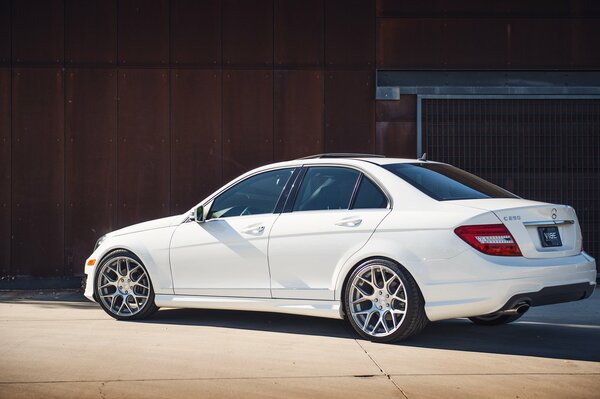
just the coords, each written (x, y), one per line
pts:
(289, 204)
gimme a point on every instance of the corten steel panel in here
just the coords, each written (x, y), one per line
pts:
(143, 145)
(540, 43)
(298, 114)
(196, 32)
(247, 120)
(585, 51)
(38, 31)
(396, 139)
(195, 136)
(350, 32)
(483, 9)
(553, 9)
(37, 172)
(90, 161)
(543, 150)
(410, 43)
(5, 158)
(143, 32)
(299, 32)
(90, 31)
(475, 43)
(248, 32)
(349, 111)
(402, 110)
(5, 28)
(408, 8)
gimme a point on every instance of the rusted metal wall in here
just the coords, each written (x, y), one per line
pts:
(117, 111)
(466, 34)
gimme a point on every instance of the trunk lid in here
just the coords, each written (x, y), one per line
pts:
(533, 224)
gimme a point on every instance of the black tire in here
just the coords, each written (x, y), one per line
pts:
(495, 320)
(144, 311)
(414, 319)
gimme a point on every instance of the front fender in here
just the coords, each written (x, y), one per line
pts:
(151, 246)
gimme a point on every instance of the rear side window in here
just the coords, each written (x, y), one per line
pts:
(444, 182)
(369, 196)
(326, 188)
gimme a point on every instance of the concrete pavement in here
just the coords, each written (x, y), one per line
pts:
(59, 346)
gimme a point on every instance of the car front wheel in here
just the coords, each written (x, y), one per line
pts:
(383, 302)
(123, 287)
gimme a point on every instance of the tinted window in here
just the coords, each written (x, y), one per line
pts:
(326, 188)
(255, 195)
(445, 182)
(369, 196)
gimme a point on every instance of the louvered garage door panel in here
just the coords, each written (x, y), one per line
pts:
(541, 149)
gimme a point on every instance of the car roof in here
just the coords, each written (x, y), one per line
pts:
(373, 158)
(340, 159)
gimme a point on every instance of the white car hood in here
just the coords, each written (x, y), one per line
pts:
(149, 225)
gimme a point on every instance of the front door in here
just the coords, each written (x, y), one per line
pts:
(227, 254)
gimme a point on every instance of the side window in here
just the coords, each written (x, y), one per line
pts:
(326, 188)
(369, 196)
(253, 196)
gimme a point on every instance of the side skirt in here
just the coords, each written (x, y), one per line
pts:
(328, 309)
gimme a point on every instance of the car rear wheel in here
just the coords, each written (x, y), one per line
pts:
(383, 302)
(495, 319)
(123, 287)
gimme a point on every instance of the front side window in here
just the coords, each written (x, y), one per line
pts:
(445, 182)
(326, 188)
(253, 196)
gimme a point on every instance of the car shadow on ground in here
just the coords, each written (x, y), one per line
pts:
(565, 331)
(549, 340)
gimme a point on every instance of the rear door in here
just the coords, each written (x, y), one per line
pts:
(330, 216)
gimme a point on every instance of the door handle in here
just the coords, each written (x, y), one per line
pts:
(349, 222)
(254, 230)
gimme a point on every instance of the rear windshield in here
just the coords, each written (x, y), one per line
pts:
(444, 182)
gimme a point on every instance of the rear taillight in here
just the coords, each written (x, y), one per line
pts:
(491, 239)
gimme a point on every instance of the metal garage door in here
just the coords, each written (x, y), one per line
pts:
(542, 149)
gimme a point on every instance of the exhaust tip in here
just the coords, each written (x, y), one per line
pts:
(522, 308)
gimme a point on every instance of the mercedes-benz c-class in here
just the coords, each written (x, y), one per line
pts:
(387, 244)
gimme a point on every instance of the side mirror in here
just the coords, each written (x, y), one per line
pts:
(198, 214)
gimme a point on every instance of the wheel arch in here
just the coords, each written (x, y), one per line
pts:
(342, 282)
(142, 253)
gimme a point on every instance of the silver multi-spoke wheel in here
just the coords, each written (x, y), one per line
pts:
(378, 300)
(123, 286)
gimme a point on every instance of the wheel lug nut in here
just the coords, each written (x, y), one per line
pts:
(380, 292)
(387, 295)
(376, 299)
(387, 305)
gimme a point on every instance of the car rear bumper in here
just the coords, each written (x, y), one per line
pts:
(486, 284)
(551, 295)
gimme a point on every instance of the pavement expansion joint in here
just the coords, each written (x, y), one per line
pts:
(381, 370)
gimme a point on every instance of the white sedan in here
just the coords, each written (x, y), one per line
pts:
(388, 244)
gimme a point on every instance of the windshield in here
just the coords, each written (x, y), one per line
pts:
(444, 182)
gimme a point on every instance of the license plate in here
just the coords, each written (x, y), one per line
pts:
(550, 236)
